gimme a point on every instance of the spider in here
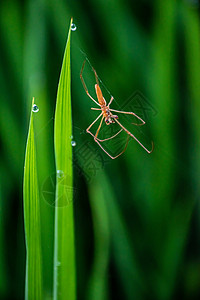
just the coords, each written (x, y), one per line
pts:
(110, 118)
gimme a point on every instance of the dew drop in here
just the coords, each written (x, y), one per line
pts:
(60, 173)
(71, 137)
(35, 108)
(73, 143)
(73, 27)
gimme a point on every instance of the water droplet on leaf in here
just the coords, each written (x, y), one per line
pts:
(35, 108)
(73, 143)
(73, 27)
(60, 173)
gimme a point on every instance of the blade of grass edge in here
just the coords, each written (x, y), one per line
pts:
(64, 249)
(33, 284)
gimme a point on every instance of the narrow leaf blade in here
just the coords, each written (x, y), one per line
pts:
(33, 288)
(64, 250)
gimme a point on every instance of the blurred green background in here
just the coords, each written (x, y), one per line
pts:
(137, 217)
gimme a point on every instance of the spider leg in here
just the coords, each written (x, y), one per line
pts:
(88, 129)
(97, 140)
(97, 132)
(96, 77)
(129, 133)
(95, 108)
(130, 113)
(104, 139)
(110, 137)
(84, 85)
(113, 157)
(111, 100)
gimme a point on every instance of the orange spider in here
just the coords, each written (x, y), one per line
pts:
(106, 113)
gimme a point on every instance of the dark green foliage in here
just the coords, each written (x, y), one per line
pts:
(137, 217)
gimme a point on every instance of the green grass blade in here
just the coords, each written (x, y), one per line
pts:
(98, 283)
(127, 265)
(33, 289)
(64, 250)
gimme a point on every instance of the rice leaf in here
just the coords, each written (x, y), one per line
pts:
(64, 250)
(33, 286)
(127, 265)
(98, 282)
